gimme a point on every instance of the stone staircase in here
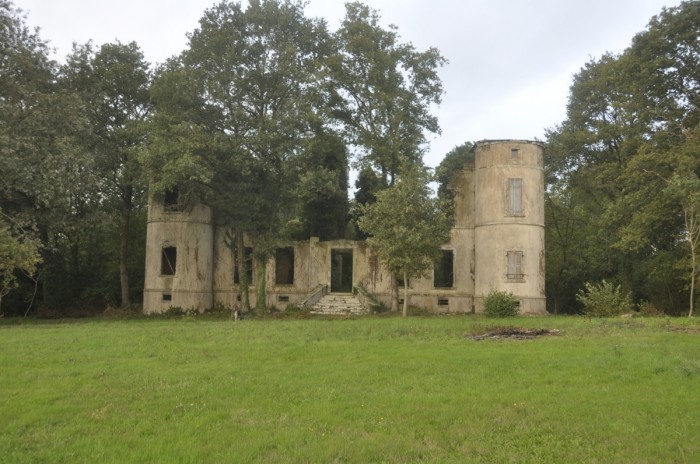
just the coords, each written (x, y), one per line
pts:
(338, 304)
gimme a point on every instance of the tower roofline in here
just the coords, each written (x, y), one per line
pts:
(494, 141)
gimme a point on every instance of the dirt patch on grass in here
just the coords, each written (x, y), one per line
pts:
(518, 333)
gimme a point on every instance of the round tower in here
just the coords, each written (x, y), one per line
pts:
(179, 255)
(509, 222)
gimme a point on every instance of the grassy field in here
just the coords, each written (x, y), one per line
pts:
(362, 390)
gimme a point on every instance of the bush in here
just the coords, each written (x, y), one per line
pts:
(647, 309)
(501, 304)
(604, 300)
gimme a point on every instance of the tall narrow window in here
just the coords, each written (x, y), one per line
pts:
(513, 153)
(168, 260)
(284, 266)
(515, 196)
(443, 270)
(514, 265)
(248, 259)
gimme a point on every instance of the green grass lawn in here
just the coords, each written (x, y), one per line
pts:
(357, 390)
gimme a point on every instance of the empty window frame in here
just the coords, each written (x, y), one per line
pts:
(284, 266)
(168, 260)
(514, 153)
(514, 265)
(171, 200)
(443, 270)
(515, 197)
(248, 259)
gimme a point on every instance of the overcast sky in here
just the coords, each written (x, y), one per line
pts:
(511, 62)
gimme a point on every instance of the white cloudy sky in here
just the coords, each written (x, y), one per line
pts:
(510, 61)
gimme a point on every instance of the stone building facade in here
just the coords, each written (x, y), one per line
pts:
(497, 242)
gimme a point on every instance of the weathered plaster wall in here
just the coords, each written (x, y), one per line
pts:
(497, 231)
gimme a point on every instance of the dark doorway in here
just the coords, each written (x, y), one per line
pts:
(341, 271)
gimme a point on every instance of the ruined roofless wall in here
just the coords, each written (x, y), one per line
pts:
(486, 238)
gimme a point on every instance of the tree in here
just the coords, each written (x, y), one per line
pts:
(16, 254)
(244, 97)
(113, 83)
(407, 226)
(323, 187)
(455, 160)
(686, 190)
(388, 88)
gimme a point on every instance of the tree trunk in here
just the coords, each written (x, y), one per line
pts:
(693, 260)
(394, 303)
(124, 252)
(260, 287)
(242, 272)
(405, 295)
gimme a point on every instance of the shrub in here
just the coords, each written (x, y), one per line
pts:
(501, 304)
(647, 309)
(604, 300)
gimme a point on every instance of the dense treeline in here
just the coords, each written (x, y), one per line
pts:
(622, 199)
(262, 115)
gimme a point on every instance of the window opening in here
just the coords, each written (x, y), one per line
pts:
(171, 200)
(248, 260)
(443, 270)
(168, 260)
(514, 265)
(443, 302)
(284, 266)
(283, 298)
(167, 297)
(515, 196)
(513, 153)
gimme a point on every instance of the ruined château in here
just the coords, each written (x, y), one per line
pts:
(497, 242)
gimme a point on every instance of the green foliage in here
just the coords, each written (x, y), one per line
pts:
(323, 187)
(632, 125)
(113, 83)
(406, 226)
(17, 254)
(501, 304)
(388, 89)
(604, 300)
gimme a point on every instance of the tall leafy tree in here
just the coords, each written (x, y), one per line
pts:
(245, 97)
(46, 184)
(113, 82)
(388, 88)
(323, 187)
(407, 226)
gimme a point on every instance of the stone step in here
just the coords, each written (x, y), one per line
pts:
(337, 304)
